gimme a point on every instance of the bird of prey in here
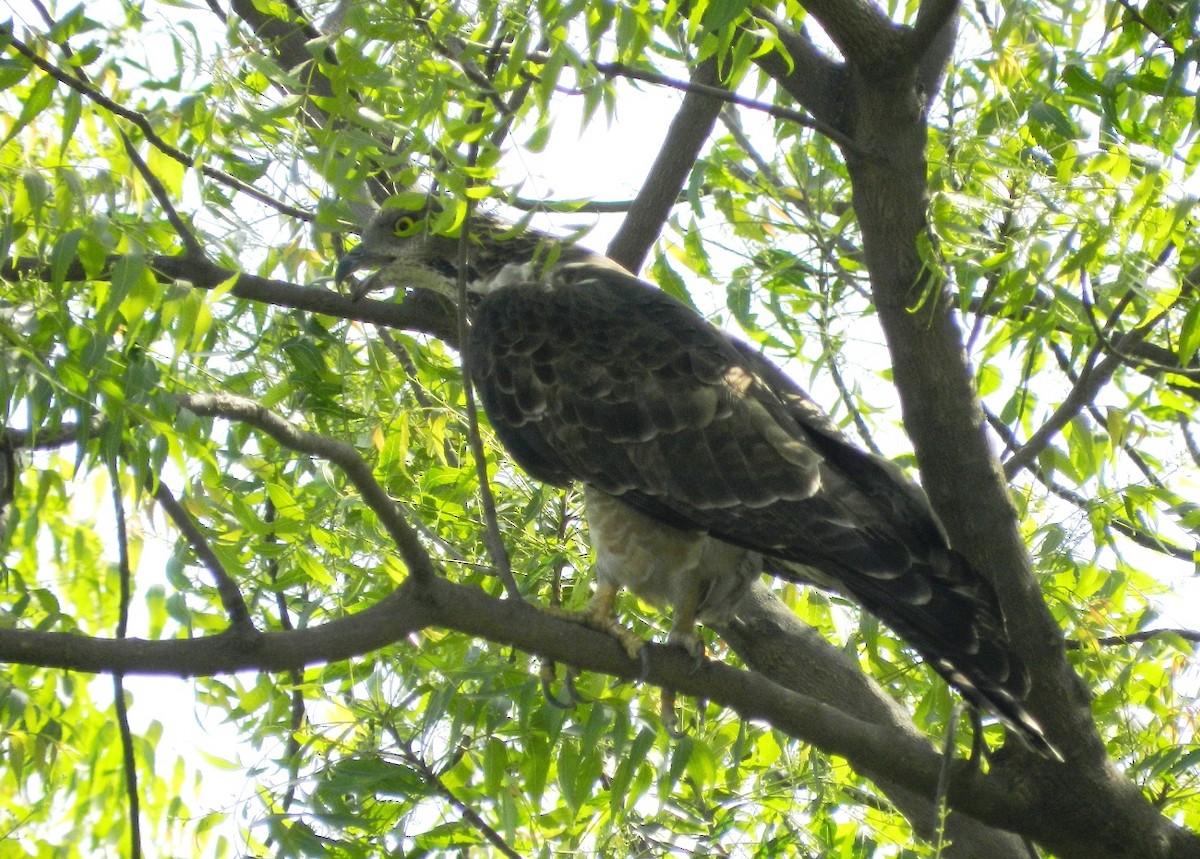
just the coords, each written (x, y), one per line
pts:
(702, 463)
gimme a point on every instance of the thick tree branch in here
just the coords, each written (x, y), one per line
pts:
(932, 42)
(770, 639)
(1014, 799)
(677, 156)
(288, 42)
(816, 82)
(864, 35)
(933, 18)
(419, 312)
(873, 748)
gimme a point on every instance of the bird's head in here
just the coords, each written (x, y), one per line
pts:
(405, 249)
(416, 246)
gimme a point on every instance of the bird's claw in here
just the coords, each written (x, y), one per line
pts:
(547, 674)
(364, 287)
(691, 643)
(668, 716)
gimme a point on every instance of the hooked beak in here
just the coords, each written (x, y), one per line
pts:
(354, 260)
(357, 259)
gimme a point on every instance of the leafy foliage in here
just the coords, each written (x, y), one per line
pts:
(144, 145)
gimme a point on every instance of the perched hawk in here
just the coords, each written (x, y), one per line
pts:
(702, 463)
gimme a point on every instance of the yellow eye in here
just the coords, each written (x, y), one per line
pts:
(405, 226)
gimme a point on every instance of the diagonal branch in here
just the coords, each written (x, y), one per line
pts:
(493, 539)
(191, 244)
(816, 82)
(932, 19)
(1142, 537)
(677, 156)
(340, 453)
(128, 757)
(860, 30)
(1092, 378)
(439, 786)
(231, 597)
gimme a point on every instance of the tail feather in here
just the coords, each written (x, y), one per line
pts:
(954, 623)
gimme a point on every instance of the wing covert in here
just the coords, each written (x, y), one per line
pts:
(598, 377)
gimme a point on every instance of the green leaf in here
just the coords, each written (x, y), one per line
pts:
(1189, 335)
(34, 102)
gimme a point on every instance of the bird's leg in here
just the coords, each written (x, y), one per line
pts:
(683, 634)
(683, 628)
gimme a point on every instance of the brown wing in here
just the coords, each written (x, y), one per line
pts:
(595, 376)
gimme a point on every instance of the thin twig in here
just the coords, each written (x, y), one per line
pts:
(341, 454)
(1092, 377)
(454, 54)
(1118, 349)
(295, 675)
(835, 374)
(802, 119)
(400, 353)
(147, 129)
(36, 439)
(470, 815)
(231, 596)
(493, 540)
(580, 207)
(1188, 440)
(192, 247)
(1135, 456)
(1145, 635)
(943, 783)
(125, 574)
(1133, 532)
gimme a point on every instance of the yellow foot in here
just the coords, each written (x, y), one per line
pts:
(599, 615)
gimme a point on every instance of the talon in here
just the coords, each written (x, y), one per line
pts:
(668, 716)
(644, 658)
(599, 615)
(546, 674)
(569, 684)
